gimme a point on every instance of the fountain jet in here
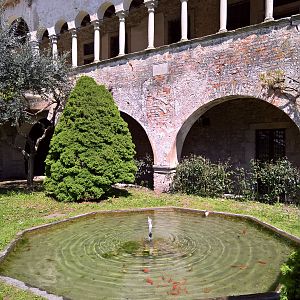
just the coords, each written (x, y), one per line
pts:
(150, 228)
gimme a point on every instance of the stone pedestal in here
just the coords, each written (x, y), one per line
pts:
(163, 177)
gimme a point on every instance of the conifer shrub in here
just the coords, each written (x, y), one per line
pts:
(91, 148)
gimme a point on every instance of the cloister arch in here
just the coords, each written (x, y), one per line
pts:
(103, 9)
(239, 129)
(58, 26)
(44, 40)
(20, 29)
(80, 17)
(143, 148)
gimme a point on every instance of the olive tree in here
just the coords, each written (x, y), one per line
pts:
(26, 74)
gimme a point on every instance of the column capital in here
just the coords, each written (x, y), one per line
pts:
(122, 14)
(53, 39)
(73, 32)
(151, 4)
(96, 24)
(33, 36)
(184, 1)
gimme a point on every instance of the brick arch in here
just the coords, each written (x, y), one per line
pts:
(80, 16)
(40, 33)
(144, 150)
(102, 9)
(142, 128)
(14, 18)
(59, 24)
(287, 107)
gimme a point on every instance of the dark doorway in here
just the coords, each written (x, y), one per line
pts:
(36, 132)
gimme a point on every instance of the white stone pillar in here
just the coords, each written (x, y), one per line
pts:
(122, 32)
(53, 39)
(223, 16)
(184, 20)
(97, 39)
(151, 5)
(35, 45)
(74, 47)
(269, 4)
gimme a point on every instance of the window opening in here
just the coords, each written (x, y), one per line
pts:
(270, 144)
(238, 15)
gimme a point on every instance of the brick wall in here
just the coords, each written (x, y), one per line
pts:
(168, 89)
(227, 131)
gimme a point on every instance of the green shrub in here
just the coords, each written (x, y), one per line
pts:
(144, 173)
(273, 181)
(199, 176)
(91, 148)
(267, 182)
(290, 278)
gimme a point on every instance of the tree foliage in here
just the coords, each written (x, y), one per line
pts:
(290, 278)
(26, 74)
(91, 148)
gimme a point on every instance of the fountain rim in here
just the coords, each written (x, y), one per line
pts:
(36, 291)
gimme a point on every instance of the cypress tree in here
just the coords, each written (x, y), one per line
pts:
(91, 148)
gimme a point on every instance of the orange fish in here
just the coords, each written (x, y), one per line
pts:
(262, 262)
(146, 270)
(241, 267)
(149, 280)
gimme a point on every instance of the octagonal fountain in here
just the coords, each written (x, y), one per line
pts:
(110, 256)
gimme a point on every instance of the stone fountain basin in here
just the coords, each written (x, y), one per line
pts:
(187, 249)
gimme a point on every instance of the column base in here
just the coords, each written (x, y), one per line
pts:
(163, 176)
(268, 19)
(150, 48)
(184, 40)
(121, 54)
(222, 30)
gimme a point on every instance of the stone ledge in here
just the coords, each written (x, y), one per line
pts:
(204, 41)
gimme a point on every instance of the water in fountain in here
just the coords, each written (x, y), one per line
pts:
(108, 257)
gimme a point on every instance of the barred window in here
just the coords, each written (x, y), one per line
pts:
(270, 144)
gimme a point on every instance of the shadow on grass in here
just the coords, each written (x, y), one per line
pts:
(20, 187)
(17, 187)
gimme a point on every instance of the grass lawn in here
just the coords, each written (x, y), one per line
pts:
(20, 210)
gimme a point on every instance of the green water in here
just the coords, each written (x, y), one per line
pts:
(109, 257)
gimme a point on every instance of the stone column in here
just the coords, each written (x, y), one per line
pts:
(163, 176)
(223, 16)
(97, 39)
(122, 31)
(35, 45)
(184, 20)
(269, 4)
(151, 5)
(74, 47)
(53, 39)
